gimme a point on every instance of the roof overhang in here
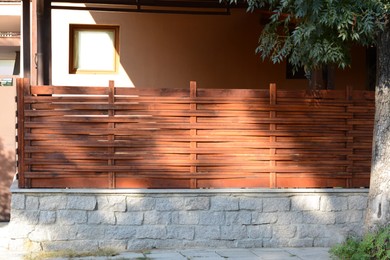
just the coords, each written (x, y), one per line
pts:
(149, 6)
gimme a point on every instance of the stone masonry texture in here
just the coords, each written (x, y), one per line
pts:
(53, 220)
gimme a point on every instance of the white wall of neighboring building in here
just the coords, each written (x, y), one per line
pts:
(60, 54)
(10, 20)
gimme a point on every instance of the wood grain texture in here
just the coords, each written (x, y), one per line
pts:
(108, 137)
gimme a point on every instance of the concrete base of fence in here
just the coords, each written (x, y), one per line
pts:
(131, 219)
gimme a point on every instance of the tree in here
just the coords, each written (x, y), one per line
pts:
(314, 33)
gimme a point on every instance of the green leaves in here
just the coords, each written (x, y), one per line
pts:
(372, 246)
(311, 33)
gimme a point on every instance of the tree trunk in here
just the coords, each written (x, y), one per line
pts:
(378, 210)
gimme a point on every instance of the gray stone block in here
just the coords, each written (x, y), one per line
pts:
(151, 232)
(47, 217)
(18, 201)
(129, 218)
(25, 217)
(101, 217)
(76, 245)
(264, 218)
(312, 231)
(292, 217)
(233, 232)
(304, 203)
(349, 216)
(350, 229)
(211, 218)
(357, 202)
(180, 232)
(326, 242)
(88, 232)
(277, 242)
(259, 231)
(333, 203)
(284, 231)
(81, 202)
(276, 204)
(141, 244)
(319, 217)
(140, 203)
(197, 203)
(157, 218)
(118, 245)
(111, 203)
(251, 203)
(224, 203)
(307, 242)
(53, 233)
(207, 232)
(52, 202)
(170, 204)
(32, 203)
(249, 243)
(71, 217)
(238, 218)
(188, 218)
(120, 232)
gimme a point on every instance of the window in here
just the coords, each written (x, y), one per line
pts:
(93, 48)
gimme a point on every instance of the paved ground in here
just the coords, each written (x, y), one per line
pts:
(205, 254)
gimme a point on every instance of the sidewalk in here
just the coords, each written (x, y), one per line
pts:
(237, 254)
(205, 254)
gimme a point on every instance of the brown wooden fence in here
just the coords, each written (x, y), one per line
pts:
(107, 137)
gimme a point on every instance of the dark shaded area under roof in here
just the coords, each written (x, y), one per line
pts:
(156, 6)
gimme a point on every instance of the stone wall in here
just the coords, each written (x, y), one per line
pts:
(78, 219)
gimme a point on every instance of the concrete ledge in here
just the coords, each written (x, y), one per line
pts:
(15, 189)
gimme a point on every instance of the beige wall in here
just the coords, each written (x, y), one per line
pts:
(167, 50)
(7, 147)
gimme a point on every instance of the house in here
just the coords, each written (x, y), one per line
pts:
(88, 147)
(165, 44)
(10, 13)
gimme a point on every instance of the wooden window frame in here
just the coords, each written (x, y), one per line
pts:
(74, 30)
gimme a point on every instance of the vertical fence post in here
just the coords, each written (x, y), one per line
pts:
(193, 133)
(349, 136)
(272, 138)
(111, 136)
(22, 90)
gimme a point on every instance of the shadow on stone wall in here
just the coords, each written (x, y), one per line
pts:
(7, 172)
(88, 220)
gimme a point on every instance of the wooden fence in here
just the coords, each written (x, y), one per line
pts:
(108, 137)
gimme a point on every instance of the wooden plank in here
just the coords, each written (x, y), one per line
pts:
(67, 90)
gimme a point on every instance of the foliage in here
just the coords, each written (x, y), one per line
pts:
(372, 246)
(311, 33)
